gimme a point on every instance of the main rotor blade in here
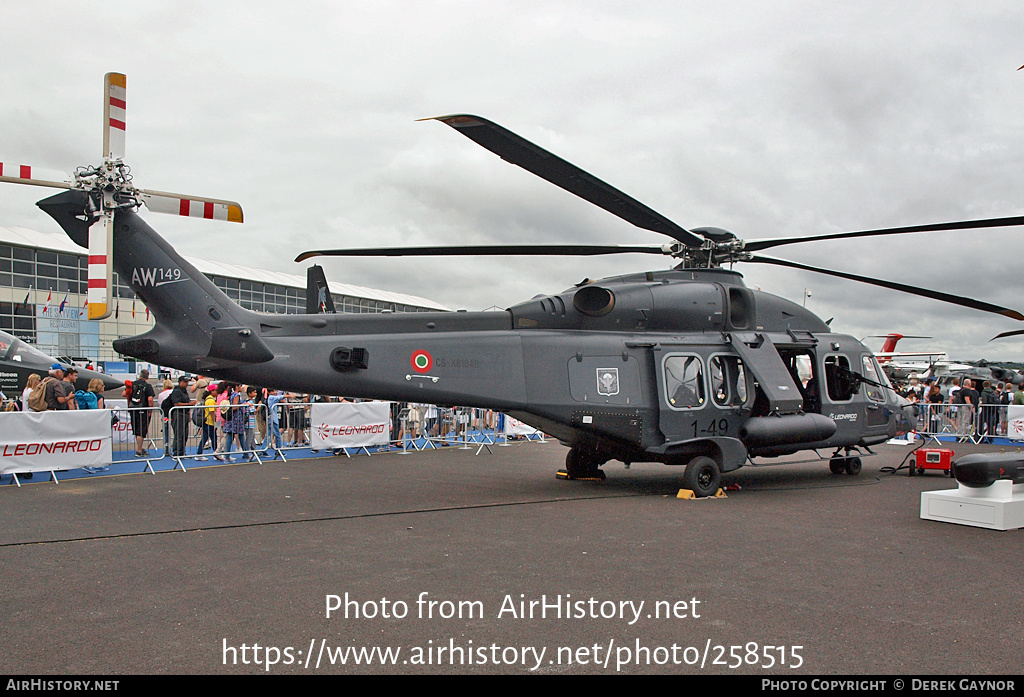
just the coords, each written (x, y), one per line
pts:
(1016, 332)
(767, 243)
(913, 290)
(578, 250)
(519, 151)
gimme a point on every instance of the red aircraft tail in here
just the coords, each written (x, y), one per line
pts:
(890, 343)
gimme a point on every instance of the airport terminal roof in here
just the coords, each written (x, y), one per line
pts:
(60, 242)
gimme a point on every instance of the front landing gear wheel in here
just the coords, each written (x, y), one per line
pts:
(702, 476)
(837, 465)
(580, 466)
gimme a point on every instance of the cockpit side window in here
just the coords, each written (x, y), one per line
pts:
(684, 382)
(874, 393)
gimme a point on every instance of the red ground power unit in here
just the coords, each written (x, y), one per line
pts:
(932, 459)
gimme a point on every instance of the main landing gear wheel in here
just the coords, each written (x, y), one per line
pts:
(580, 465)
(849, 465)
(702, 476)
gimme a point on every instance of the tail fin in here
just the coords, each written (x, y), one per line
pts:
(890, 342)
(318, 295)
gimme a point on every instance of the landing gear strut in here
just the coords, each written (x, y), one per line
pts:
(582, 464)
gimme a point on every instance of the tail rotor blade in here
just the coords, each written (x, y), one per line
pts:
(101, 239)
(191, 206)
(114, 115)
(22, 174)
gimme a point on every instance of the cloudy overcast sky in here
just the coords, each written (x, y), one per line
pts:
(765, 118)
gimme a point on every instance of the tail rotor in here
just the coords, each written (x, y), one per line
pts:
(110, 189)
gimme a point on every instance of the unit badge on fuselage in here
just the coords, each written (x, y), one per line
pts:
(608, 381)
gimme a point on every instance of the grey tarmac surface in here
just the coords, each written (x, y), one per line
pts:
(175, 572)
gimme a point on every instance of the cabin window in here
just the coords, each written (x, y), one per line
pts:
(729, 387)
(839, 378)
(684, 382)
(874, 392)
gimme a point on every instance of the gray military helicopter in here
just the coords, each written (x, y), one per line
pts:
(685, 366)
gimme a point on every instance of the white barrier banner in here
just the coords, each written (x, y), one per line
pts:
(344, 425)
(121, 430)
(515, 427)
(51, 440)
(1015, 422)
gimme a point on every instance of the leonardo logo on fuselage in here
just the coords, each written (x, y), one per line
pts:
(843, 417)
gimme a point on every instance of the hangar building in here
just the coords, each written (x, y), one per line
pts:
(43, 284)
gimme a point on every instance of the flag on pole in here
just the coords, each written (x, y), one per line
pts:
(24, 303)
(133, 308)
(147, 313)
(49, 296)
(63, 303)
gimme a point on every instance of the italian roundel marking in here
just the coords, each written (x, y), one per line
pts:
(421, 361)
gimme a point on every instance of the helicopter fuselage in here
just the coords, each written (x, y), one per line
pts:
(662, 366)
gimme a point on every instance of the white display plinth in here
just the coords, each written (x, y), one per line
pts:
(997, 507)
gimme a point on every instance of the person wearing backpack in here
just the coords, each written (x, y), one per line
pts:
(139, 405)
(92, 399)
(44, 395)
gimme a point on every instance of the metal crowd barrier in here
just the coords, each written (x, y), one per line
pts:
(462, 427)
(190, 437)
(180, 438)
(292, 427)
(962, 421)
(123, 444)
(293, 432)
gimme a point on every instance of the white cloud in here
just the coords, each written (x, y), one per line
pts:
(783, 118)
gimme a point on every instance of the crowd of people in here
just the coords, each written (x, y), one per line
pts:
(57, 392)
(251, 417)
(215, 419)
(262, 420)
(961, 405)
